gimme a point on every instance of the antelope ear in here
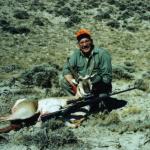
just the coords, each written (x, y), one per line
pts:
(85, 77)
(93, 75)
(81, 78)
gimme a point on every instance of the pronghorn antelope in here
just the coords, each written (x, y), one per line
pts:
(24, 108)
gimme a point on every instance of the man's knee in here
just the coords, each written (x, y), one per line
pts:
(100, 88)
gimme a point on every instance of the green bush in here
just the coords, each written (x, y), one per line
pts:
(16, 30)
(45, 138)
(113, 23)
(132, 28)
(38, 21)
(120, 72)
(73, 20)
(4, 23)
(41, 75)
(20, 14)
(102, 15)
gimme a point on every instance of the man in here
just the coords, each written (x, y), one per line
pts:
(88, 60)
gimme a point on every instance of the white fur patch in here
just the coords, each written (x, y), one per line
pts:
(50, 105)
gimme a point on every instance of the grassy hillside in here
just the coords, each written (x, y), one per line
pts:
(37, 31)
(36, 37)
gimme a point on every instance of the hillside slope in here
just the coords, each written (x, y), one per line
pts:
(36, 39)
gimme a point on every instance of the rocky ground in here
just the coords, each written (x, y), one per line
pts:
(37, 37)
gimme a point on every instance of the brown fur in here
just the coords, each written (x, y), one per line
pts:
(23, 110)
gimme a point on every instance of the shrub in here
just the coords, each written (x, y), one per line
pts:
(102, 15)
(145, 16)
(9, 68)
(37, 5)
(53, 124)
(142, 84)
(61, 3)
(62, 136)
(16, 30)
(132, 28)
(120, 72)
(19, 14)
(113, 24)
(41, 75)
(72, 21)
(45, 138)
(112, 2)
(146, 75)
(38, 21)
(65, 11)
(4, 23)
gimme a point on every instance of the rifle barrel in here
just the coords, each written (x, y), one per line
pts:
(129, 89)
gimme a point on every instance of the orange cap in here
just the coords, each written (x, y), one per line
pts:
(83, 31)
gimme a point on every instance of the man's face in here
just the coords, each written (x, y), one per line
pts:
(85, 45)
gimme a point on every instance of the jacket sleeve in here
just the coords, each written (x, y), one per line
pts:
(72, 61)
(105, 69)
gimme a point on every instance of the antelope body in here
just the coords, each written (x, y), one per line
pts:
(24, 108)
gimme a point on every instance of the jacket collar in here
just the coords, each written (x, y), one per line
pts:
(95, 50)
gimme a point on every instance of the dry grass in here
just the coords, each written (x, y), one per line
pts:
(35, 33)
(113, 117)
(105, 119)
(46, 137)
(132, 110)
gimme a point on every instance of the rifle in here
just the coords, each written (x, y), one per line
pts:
(83, 101)
(72, 105)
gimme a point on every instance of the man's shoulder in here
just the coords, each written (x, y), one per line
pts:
(76, 52)
(101, 50)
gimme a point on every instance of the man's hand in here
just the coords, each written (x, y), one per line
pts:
(72, 83)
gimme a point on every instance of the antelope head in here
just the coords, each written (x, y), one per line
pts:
(84, 87)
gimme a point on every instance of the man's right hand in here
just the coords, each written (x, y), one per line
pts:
(74, 82)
